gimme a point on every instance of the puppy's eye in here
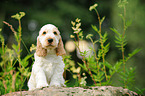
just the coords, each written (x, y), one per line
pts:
(44, 33)
(55, 33)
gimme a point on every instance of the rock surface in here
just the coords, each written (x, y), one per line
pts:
(76, 91)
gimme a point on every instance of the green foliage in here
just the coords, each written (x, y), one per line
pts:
(120, 40)
(10, 79)
(127, 75)
(132, 54)
(75, 72)
(100, 70)
(140, 91)
(91, 65)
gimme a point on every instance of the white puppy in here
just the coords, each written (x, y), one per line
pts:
(48, 67)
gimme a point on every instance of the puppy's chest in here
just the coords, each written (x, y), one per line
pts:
(48, 63)
(48, 66)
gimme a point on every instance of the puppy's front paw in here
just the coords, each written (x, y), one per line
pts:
(55, 85)
(63, 85)
(41, 85)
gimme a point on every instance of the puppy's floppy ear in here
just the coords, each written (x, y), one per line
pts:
(40, 51)
(60, 48)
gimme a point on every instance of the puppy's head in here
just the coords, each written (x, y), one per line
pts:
(49, 38)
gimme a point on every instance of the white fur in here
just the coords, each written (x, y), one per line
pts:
(47, 70)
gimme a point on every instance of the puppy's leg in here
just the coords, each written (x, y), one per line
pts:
(40, 77)
(57, 79)
(31, 82)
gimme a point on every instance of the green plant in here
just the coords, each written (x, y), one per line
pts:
(75, 72)
(127, 74)
(78, 38)
(95, 65)
(12, 80)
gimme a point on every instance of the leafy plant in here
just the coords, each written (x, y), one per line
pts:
(128, 75)
(12, 80)
(75, 72)
(79, 37)
(95, 64)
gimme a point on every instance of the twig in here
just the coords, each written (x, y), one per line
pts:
(11, 27)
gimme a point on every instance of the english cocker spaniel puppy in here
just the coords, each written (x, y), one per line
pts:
(48, 67)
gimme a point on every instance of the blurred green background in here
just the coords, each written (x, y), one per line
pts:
(62, 12)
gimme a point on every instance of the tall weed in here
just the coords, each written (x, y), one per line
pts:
(12, 78)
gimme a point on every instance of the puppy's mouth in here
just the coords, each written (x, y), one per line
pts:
(50, 46)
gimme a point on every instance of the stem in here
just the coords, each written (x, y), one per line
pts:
(123, 44)
(5, 72)
(99, 20)
(101, 41)
(94, 48)
(95, 55)
(78, 40)
(124, 21)
(3, 52)
(19, 45)
(20, 29)
(83, 59)
(89, 70)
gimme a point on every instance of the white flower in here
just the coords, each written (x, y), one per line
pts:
(74, 28)
(78, 20)
(72, 36)
(83, 81)
(73, 23)
(93, 7)
(78, 25)
(77, 31)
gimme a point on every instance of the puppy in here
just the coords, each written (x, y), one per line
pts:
(48, 67)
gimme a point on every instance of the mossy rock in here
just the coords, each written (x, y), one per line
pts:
(76, 91)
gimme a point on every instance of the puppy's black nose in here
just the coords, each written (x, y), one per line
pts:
(50, 40)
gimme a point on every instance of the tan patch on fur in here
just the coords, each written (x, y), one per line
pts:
(60, 49)
(40, 51)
